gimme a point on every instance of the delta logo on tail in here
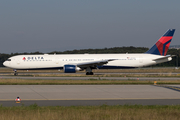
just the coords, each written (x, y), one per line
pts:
(162, 45)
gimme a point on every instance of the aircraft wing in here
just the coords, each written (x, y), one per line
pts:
(94, 63)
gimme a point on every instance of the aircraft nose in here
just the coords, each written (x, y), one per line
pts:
(5, 63)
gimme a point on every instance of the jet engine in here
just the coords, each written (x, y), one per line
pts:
(71, 68)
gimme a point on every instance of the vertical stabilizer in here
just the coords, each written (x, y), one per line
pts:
(162, 45)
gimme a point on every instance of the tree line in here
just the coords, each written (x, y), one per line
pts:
(130, 49)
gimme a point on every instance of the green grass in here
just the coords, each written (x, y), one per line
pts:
(104, 112)
(83, 82)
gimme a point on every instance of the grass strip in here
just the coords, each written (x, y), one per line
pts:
(82, 82)
(108, 75)
(104, 112)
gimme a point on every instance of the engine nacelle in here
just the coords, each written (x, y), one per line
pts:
(71, 69)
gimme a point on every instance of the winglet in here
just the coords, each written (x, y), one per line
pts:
(162, 45)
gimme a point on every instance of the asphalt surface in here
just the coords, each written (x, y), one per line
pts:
(68, 95)
(88, 78)
(81, 73)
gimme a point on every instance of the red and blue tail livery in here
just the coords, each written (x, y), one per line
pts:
(162, 45)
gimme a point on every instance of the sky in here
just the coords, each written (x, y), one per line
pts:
(60, 25)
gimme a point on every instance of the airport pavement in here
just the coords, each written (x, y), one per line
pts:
(89, 78)
(83, 73)
(67, 95)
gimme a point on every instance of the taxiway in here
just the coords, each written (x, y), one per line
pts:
(89, 78)
(67, 95)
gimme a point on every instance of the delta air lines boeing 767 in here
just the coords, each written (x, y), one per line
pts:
(71, 63)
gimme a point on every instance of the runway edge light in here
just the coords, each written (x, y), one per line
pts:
(155, 82)
(18, 100)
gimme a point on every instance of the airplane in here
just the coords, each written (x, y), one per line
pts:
(71, 63)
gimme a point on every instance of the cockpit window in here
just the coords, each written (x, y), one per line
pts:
(8, 60)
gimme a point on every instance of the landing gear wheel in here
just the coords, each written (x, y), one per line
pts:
(89, 73)
(15, 73)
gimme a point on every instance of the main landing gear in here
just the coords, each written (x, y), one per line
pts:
(89, 71)
(15, 72)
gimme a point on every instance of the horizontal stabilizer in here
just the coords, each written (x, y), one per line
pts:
(165, 57)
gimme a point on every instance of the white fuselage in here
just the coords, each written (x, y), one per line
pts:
(58, 61)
